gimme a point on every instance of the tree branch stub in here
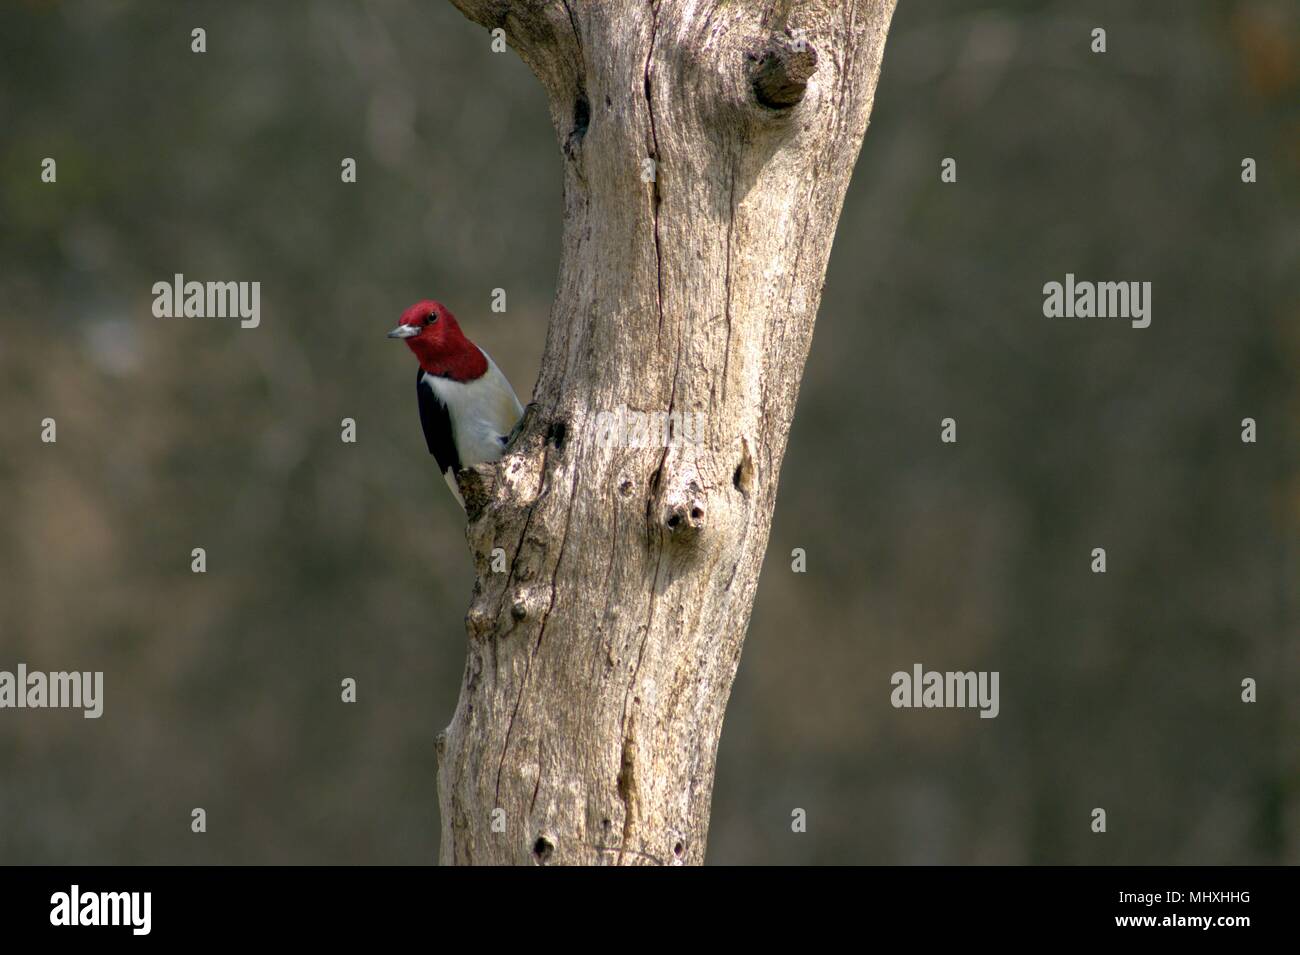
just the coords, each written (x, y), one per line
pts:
(780, 74)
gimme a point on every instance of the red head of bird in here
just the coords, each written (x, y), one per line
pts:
(433, 334)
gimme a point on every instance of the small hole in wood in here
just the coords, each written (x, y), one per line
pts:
(743, 477)
(556, 434)
(581, 116)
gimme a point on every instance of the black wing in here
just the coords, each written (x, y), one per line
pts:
(436, 422)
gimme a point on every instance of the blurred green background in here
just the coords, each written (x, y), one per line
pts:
(328, 560)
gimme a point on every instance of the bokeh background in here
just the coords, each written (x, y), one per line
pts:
(328, 560)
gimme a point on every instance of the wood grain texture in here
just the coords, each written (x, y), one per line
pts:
(600, 662)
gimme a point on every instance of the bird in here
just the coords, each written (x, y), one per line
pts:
(468, 410)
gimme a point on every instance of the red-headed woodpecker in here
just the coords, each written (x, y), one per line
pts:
(467, 408)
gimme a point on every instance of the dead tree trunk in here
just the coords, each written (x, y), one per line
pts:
(707, 147)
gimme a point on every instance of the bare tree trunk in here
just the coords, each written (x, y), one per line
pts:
(601, 657)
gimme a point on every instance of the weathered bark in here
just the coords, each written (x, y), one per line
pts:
(601, 659)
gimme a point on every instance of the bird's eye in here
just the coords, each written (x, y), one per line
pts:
(431, 318)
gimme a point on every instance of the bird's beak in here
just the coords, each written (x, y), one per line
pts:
(404, 331)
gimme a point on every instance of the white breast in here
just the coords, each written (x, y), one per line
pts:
(483, 412)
